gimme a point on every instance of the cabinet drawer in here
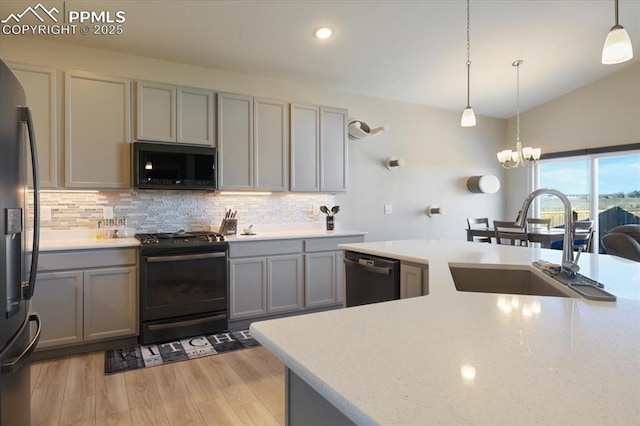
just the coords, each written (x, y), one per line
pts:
(330, 243)
(82, 259)
(264, 248)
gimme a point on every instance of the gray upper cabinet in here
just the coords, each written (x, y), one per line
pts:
(155, 112)
(271, 145)
(235, 142)
(333, 149)
(195, 116)
(169, 113)
(318, 149)
(253, 143)
(305, 148)
(40, 86)
(97, 131)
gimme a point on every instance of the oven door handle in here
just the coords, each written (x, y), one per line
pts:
(181, 258)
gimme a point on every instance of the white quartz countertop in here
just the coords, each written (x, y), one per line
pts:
(473, 358)
(291, 234)
(80, 239)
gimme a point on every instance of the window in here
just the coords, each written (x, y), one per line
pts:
(601, 187)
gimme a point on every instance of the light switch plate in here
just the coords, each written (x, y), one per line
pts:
(388, 209)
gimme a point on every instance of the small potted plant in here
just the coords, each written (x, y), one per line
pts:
(330, 213)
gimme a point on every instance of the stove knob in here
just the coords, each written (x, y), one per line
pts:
(221, 238)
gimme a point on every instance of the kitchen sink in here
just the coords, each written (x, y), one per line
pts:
(500, 280)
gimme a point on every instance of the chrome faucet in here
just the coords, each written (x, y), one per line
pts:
(569, 265)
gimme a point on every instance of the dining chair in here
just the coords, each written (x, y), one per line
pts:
(537, 223)
(510, 233)
(581, 226)
(479, 223)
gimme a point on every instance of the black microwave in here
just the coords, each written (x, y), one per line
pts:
(173, 166)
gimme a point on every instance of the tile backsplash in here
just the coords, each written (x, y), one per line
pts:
(168, 211)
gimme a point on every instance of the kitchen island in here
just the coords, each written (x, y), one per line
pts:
(470, 358)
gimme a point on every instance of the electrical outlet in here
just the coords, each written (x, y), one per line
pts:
(388, 209)
(315, 210)
(107, 212)
(45, 213)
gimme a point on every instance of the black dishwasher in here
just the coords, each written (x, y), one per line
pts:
(370, 279)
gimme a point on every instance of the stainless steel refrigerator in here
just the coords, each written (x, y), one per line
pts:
(18, 251)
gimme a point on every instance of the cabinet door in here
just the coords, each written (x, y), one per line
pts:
(305, 148)
(110, 303)
(340, 281)
(248, 287)
(40, 87)
(271, 145)
(320, 279)
(58, 301)
(284, 283)
(97, 131)
(195, 116)
(333, 149)
(155, 112)
(235, 142)
(410, 281)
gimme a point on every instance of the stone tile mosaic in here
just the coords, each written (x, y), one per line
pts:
(168, 211)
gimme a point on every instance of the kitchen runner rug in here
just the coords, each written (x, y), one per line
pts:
(141, 356)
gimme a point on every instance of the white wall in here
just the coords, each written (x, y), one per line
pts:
(439, 154)
(603, 113)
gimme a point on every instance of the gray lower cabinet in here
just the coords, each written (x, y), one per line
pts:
(86, 296)
(110, 303)
(265, 285)
(284, 283)
(58, 301)
(286, 275)
(320, 279)
(410, 281)
(248, 286)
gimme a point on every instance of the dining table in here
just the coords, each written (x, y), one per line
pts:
(543, 236)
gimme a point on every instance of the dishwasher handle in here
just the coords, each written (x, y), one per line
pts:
(375, 269)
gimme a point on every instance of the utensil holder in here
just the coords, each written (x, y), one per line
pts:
(330, 223)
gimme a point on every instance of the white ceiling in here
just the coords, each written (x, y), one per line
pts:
(412, 51)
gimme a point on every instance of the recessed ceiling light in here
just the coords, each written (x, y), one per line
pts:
(323, 33)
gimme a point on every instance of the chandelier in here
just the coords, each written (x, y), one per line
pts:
(526, 156)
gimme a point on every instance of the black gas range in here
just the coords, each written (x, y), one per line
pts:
(183, 285)
(181, 238)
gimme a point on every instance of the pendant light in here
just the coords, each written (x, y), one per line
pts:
(526, 156)
(617, 46)
(468, 116)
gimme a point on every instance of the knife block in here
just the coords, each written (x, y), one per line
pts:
(229, 227)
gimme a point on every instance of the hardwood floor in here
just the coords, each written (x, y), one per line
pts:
(244, 387)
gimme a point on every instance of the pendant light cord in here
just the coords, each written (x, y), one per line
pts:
(616, 9)
(468, 53)
(518, 100)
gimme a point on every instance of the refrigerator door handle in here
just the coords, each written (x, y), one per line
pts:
(14, 364)
(29, 287)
